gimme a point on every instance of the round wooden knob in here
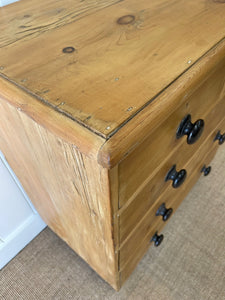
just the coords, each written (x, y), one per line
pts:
(157, 239)
(177, 177)
(220, 137)
(164, 212)
(193, 131)
(206, 170)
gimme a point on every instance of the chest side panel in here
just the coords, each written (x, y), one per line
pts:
(70, 191)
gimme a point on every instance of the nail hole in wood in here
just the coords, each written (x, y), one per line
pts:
(68, 50)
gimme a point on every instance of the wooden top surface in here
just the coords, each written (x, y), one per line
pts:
(125, 52)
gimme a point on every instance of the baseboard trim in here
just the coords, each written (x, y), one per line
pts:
(10, 247)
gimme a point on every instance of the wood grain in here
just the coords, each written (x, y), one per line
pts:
(120, 63)
(114, 195)
(53, 121)
(70, 190)
(134, 249)
(147, 197)
(30, 20)
(207, 102)
(130, 136)
(91, 94)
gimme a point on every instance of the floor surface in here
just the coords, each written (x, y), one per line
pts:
(190, 263)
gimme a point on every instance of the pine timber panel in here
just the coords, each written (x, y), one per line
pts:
(130, 217)
(130, 49)
(129, 260)
(70, 190)
(142, 125)
(84, 86)
(207, 102)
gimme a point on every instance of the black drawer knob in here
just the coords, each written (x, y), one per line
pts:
(193, 131)
(177, 177)
(164, 212)
(157, 239)
(206, 170)
(220, 137)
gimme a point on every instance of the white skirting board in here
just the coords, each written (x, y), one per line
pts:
(20, 238)
(6, 2)
(19, 221)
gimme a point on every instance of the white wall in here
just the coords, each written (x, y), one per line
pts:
(6, 2)
(19, 221)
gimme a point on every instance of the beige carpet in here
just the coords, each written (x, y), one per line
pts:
(190, 263)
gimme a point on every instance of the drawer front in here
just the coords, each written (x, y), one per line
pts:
(131, 214)
(136, 169)
(170, 195)
(138, 242)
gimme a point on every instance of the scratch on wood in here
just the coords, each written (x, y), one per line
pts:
(83, 179)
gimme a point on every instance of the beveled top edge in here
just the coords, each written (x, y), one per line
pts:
(115, 149)
(101, 63)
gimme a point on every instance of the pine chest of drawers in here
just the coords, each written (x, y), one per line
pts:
(110, 112)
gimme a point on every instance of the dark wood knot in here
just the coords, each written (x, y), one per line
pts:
(124, 20)
(68, 49)
(219, 1)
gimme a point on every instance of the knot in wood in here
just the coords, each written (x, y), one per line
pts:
(128, 19)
